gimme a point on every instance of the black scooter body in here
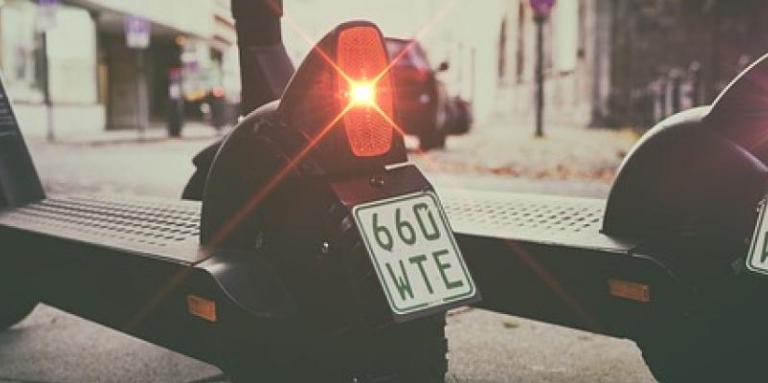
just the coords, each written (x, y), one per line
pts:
(136, 265)
(676, 226)
(138, 280)
(133, 265)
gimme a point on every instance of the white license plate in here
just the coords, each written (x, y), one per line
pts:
(757, 260)
(414, 252)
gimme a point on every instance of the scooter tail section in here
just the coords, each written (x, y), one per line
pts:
(19, 182)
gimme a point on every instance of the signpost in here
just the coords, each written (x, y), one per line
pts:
(137, 32)
(137, 37)
(46, 14)
(46, 20)
(541, 11)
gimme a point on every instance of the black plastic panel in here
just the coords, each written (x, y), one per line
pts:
(7, 121)
(19, 183)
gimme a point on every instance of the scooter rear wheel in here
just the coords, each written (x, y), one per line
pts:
(414, 352)
(700, 361)
(693, 350)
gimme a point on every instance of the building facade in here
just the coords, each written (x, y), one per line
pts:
(92, 74)
(627, 62)
(673, 54)
(577, 63)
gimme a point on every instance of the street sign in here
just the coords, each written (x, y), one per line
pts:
(137, 32)
(542, 8)
(46, 14)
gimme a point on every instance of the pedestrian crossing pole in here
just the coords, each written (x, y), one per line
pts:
(142, 99)
(46, 20)
(541, 11)
(539, 76)
(50, 135)
(138, 37)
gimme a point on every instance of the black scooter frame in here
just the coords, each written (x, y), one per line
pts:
(134, 264)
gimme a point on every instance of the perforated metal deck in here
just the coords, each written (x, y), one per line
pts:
(563, 221)
(169, 229)
(156, 228)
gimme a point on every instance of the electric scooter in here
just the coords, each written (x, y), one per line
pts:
(316, 254)
(298, 265)
(672, 260)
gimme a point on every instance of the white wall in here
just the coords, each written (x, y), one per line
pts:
(72, 58)
(565, 35)
(568, 76)
(18, 51)
(465, 25)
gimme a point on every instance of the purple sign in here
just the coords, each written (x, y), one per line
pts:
(542, 8)
(46, 14)
(137, 32)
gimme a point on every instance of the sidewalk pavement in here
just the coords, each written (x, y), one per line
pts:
(505, 147)
(501, 154)
(193, 131)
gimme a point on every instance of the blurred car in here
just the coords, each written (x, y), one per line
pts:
(426, 110)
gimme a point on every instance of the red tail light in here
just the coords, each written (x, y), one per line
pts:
(342, 100)
(367, 91)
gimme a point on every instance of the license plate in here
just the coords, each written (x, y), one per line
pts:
(414, 253)
(757, 260)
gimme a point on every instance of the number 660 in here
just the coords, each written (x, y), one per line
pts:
(405, 229)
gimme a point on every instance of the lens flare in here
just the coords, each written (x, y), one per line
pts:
(362, 94)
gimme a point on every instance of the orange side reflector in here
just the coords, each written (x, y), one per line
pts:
(361, 55)
(202, 308)
(629, 290)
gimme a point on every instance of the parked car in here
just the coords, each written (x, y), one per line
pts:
(426, 110)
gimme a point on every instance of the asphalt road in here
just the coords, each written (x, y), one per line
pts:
(55, 347)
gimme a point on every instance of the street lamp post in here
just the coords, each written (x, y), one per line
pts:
(137, 37)
(49, 130)
(541, 10)
(46, 19)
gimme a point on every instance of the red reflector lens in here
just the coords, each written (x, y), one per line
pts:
(362, 57)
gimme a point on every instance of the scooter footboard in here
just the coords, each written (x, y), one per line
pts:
(140, 296)
(131, 264)
(544, 258)
(147, 227)
(552, 220)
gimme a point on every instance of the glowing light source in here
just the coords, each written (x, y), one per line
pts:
(363, 93)
(360, 54)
